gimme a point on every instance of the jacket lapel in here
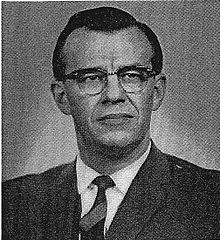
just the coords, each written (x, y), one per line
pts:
(144, 198)
(61, 212)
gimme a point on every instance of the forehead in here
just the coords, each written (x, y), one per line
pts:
(85, 48)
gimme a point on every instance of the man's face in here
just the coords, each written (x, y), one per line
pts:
(112, 117)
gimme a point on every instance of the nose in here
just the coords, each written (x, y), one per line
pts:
(113, 93)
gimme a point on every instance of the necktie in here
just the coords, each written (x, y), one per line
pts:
(92, 224)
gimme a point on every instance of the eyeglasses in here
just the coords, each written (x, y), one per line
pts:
(92, 81)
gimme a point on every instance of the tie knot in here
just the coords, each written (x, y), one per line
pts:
(103, 182)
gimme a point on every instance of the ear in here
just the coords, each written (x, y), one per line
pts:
(60, 97)
(159, 90)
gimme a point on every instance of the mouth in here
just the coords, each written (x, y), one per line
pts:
(118, 118)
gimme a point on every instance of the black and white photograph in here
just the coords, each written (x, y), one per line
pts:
(110, 120)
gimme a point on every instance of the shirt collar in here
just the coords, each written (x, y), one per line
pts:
(125, 176)
(122, 178)
(85, 175)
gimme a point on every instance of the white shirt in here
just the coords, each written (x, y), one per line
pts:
(114, 196)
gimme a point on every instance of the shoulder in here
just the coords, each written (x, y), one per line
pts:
(24, 198)
(191, 173)
(32, 185)
(194, 181)
(196, 194)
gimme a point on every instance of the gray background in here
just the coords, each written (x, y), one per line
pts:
(36, 136)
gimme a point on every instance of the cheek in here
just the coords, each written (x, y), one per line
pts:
(79, 109)
(82, 107)
(144, 105)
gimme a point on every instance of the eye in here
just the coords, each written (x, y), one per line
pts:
(131, 76)
(91, 77)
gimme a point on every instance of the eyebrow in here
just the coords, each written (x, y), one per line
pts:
(74, 73)
(132, 66)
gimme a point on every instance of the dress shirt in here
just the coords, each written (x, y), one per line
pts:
(114, 196)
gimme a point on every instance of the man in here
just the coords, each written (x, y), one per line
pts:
(108, 76)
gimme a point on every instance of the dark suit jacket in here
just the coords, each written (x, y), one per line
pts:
(168, 199)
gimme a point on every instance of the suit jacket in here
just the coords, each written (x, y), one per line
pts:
(168, 199)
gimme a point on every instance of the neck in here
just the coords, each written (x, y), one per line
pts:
(109, 159)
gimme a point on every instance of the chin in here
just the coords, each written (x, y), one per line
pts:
(118, 139)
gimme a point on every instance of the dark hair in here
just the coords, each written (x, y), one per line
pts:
(105, 19)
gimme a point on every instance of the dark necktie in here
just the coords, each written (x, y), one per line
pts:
(92, 224)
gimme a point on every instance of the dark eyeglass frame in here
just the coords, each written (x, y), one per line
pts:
(77, 75)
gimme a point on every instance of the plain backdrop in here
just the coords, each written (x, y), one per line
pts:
(36, 136)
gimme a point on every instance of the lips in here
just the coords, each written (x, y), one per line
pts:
(115, 116)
